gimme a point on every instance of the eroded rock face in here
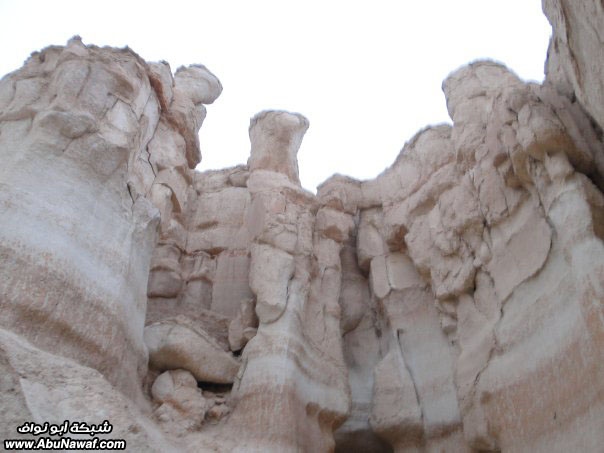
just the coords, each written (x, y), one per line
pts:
(181, 405)
(178, 343)
(43, 387)
(75, 241)
(96, 148)
(295, 362)
(575, 53)
(453, 303)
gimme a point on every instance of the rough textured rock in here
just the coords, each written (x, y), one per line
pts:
(276, 137)
(294, 363)
(95, 146)
(75, 241)
(452, 303)
(42, 387)
(244, 326)
(182, 406)
(178, 343)
(574, 58)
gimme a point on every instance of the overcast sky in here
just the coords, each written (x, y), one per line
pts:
(366, 74)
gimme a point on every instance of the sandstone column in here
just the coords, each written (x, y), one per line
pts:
(301, 377)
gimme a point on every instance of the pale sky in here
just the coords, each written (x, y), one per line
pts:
(367, 74)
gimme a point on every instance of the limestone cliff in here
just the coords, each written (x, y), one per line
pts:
(453, 303)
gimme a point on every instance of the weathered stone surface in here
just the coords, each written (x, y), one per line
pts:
(363, 350)
(276, 137)
(370, 237)
(294, 362)
(270, 274)
(244, 326)
(452, 303)
(179, 344)
(181, 406)
(334, 224)
(41, 387)
(75, 242)
(395, 412)
(231, 282)
(380, 285)
(575, 54)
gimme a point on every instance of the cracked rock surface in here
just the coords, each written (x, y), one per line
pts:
(452, 303)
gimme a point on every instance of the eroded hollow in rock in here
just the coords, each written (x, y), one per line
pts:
(215, 388)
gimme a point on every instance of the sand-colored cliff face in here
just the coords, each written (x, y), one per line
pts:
(453, 303)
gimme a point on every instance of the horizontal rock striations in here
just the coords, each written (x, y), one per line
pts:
(453, 303)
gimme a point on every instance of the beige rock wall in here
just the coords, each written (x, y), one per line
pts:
(96, 145)
(463, 239)
(574, 63)
(294, 363)
(75, 241)
(453, 303)
(574, 57)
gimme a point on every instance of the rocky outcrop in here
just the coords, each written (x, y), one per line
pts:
(38, 386)
(182, 407)
(75, 241)
(294, 363)
(453, 303)
(574, 57)
(95, 144)
(178, 343)
(574, 64)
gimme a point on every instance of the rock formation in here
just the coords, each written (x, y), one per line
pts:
(453, 303)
